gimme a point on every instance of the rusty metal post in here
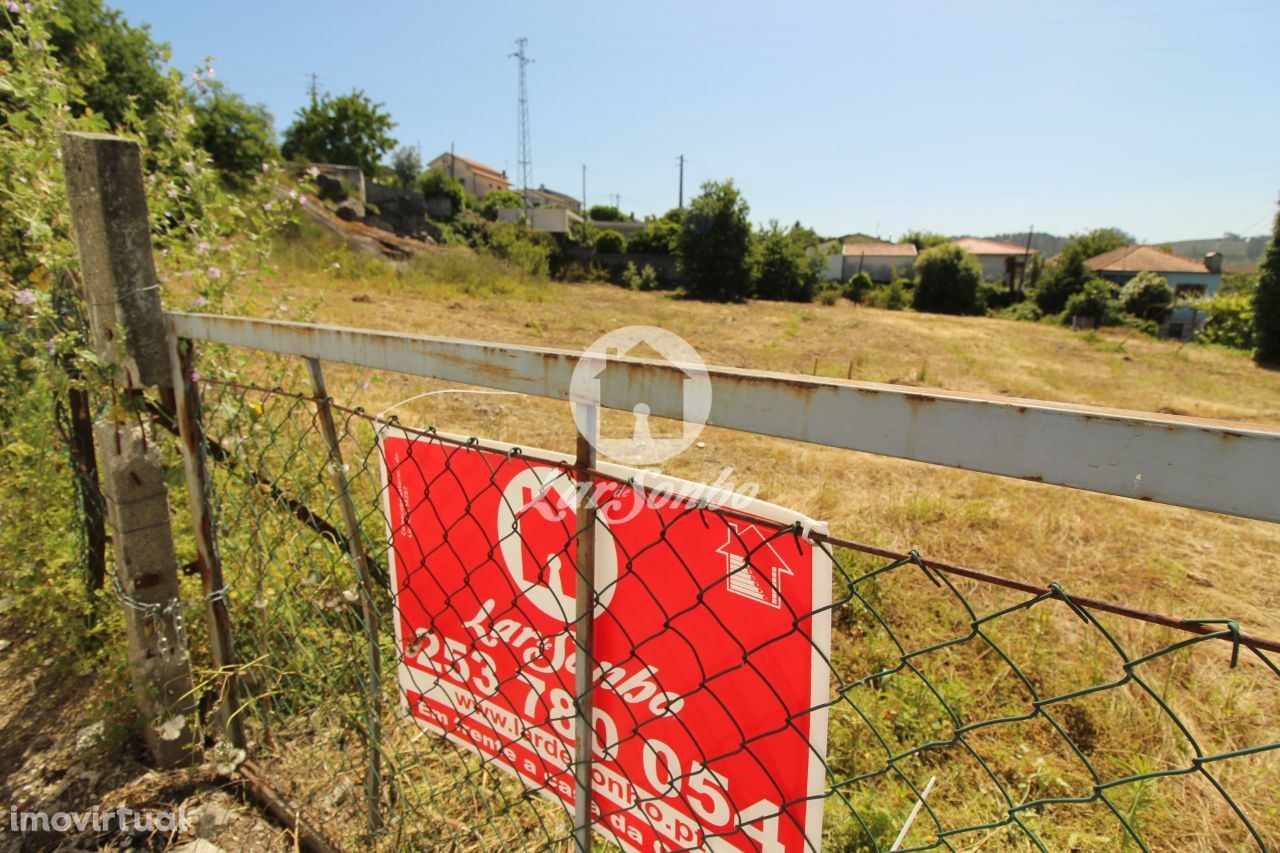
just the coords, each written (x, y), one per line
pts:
(584, 622)
(208, 560)
(113, 235)
(360, 562)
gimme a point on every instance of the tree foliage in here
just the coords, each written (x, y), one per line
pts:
(436, 183)
(1266, 301)
(1097, 299)
(610, 243)
(947, 280)
(715, 244)
(1099, 240)
(496, 200)
(406, 166)
(1062, 278)
(659, 237)
(238, 136)
(1147, 296)
(924, 239)
(1231, 321)
(349, 130)
(785, 270)
(605, 213)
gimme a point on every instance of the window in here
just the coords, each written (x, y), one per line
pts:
(1189, 291)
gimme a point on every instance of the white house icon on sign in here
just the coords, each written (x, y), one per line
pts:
(753, 567)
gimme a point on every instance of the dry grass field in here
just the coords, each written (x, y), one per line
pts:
(1178, 562)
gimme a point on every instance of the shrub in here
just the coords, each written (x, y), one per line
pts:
(947, 279)
(715, 244)
(528, 250)
(1231, 321)
(829, 293)
(784, 270)
(1097, 300)
(437, 184)
(1024, 310)
(893, 296)
(610, 243)
(858, 286)
(644, 278)
(406, 166)
(496, 200)
(351, 130)
(924, 239)
(1147, 296)
(659, 237)
(237, 135)
(1266, 302)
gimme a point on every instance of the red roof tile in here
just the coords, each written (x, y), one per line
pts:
(979, 246)
(879, 250)
(1143, 259)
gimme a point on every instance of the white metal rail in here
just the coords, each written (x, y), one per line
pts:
(1219, 466)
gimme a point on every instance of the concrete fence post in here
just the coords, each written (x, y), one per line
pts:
(113, 235)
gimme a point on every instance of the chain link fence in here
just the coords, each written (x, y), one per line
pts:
(963, 710)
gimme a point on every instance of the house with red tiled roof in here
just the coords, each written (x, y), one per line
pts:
(1190, 279)
(475, 177)
(1000, 261)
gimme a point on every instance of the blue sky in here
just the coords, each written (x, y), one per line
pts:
(1162, 118)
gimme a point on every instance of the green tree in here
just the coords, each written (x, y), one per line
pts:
(1099, 240)
(1147, 296)
(924, 239)
(858, 286)
(1266, 301)
(406, 166)
(350, 130)
(1062, 279)
(1096, 299)
(436, 183)
(605, 213)
(610, 243)
(659, 237)
(785, 271)
(947, 281)
(238, 136)
(1231, 322)
(715, 244)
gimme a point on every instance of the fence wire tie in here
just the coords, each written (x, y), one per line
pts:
(915, 558)
(1075, 608)
(1232, 625)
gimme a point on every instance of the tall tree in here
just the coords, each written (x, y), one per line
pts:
(1099, 240)
(238, 136)
(947, 279)
(1266, 301)
(785, 269)
(715, 244)
(350, 130)
(406, 166)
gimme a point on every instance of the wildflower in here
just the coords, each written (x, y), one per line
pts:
(203, 247)
(282, 307)
(195, 376)
(26, 296)
(313, 171)
(51, 346)
(364, 384)
(13, 7)
(293, 194)
(302, 200)
(190, 167)
(266, 167)
(191, 119)
(172, 193)
(209, 71)
(199, 302)
(169, 133)
(270, 205)
(214, 272)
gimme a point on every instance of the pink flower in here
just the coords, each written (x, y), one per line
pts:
(168, 133)
(194, 376)
(172, 193)
(266, 167)
(191, 120)
(202, 248)
(199, 302)
(313, 171)
(51, 346)
(214, 272)
(26, 296)
(13, 7)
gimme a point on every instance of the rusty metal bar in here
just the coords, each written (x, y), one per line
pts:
(584, 622)
(208, 559)
(369, 612)
(1202, 464)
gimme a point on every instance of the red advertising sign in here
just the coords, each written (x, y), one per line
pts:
(711, 636)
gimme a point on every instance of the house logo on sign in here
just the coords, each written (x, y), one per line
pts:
(753, 567)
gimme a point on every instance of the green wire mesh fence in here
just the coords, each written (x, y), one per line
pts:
(963, 710)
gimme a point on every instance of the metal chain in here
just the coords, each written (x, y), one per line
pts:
(159, 612)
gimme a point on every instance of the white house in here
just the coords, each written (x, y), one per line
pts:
(1000, 261)
(476, 178)
(881, 261)
(553, 220)
(1189, 279)
(543, 197)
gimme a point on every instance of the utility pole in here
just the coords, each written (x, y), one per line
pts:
(451, 175)
(1026, 258)
(584, 189)
(681, 205)
(314, 87)
(526, 159)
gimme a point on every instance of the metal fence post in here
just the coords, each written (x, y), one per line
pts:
(113, 235)
(584, 621)
(208, 560)
(360, 562)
